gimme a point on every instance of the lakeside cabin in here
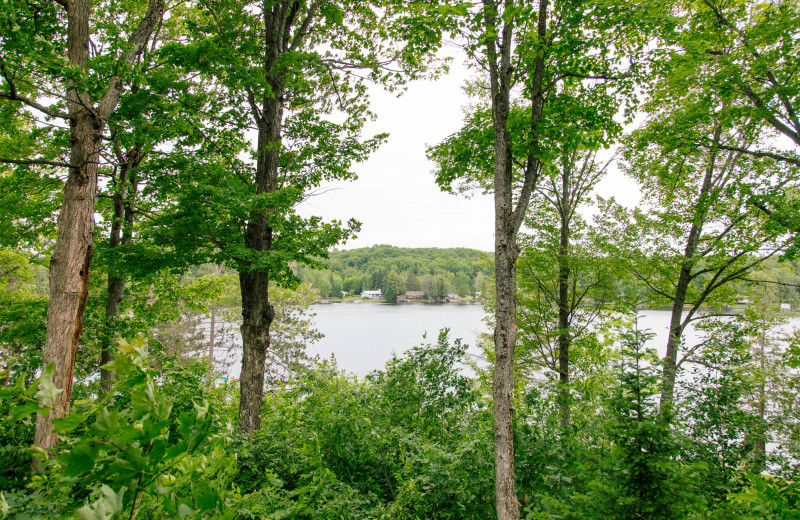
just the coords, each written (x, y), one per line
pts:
(372, 295)
(415, 295)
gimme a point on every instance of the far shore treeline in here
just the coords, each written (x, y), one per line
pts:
(466, 273)
(437, 273)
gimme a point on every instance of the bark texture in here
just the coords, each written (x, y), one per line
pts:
(257, 312)
(285, 29)
(508, 219)
(72, 255)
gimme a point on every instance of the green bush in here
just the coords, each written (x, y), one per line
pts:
(125, 459)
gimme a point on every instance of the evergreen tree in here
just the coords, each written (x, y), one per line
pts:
(393, 287)
(643, 478)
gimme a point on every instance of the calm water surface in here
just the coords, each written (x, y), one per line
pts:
(363, 336)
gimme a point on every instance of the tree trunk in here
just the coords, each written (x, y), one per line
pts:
(505, 339)
(257, 315)
(675, 334)
(505, 314)
(257, 312)
(121, 234)
(72, 254)
(685, 277)
(564, 339)
(508, 219)
(69, 268)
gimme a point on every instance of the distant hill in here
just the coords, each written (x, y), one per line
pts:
(437, 272)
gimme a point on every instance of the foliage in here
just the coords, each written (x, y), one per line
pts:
(394, 286)
(712, 407)
(414, 440)
(768, 498)
(400, 444)
(432, 271)
(291, 332)
(134, 456)
(643, 478)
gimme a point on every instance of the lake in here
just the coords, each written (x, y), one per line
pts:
(363, 336)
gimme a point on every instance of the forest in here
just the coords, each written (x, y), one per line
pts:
(153, 154)
(437, 273)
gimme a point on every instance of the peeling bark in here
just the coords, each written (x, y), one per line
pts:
(72, 255)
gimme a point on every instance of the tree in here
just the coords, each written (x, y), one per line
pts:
(92, 85)
(412, 282)
(643, 477)
(564, 281)
(393, 287)
(567, 60)
(438, 288)
(462, 284)
(701, 233)
(481, 284)
(152, 118)
(283, 67)
(743, 52)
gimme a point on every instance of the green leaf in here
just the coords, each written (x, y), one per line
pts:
(105, 507)
(185, 511)
(79, 460)
(48, 393)
(20, 412)
(207, 498)
(68, 423)
(106, 423)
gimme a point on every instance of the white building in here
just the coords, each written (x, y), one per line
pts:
(372, 295)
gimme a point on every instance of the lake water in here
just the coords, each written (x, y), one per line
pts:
(363, 336)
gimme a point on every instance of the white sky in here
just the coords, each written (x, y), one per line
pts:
(395, 197)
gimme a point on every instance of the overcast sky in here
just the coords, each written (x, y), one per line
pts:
(395, 197)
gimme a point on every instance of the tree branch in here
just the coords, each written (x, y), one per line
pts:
(769, 155)
(137, 41)
(37, 162)
(303, 29)
(33, 104)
